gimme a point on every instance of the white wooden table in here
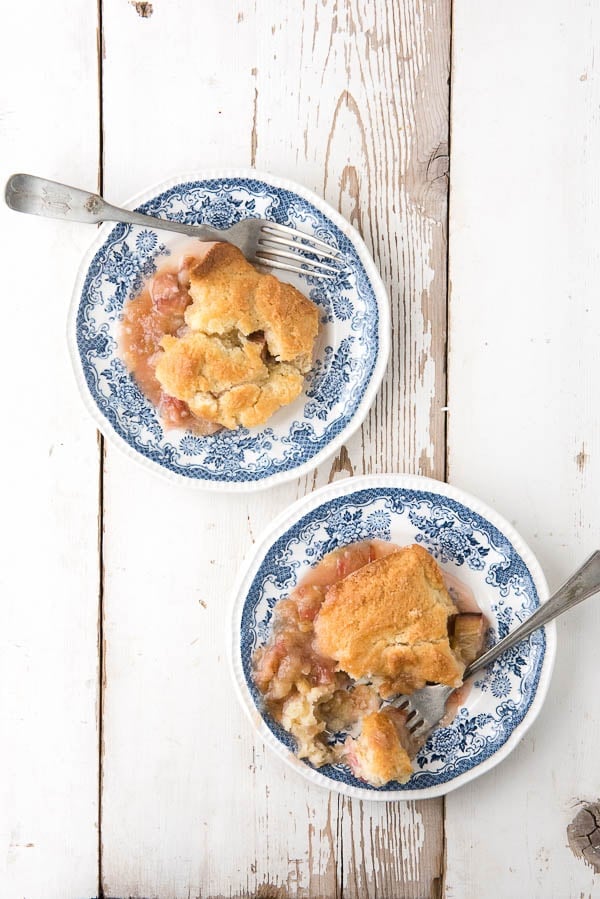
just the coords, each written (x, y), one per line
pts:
(115, 584)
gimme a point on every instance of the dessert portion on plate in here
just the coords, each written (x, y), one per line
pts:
(213, 343)
(368, 622)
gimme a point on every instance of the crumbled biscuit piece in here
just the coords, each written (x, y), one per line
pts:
(378, 755)
(300, 716)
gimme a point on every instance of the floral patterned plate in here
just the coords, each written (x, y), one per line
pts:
(350, 358)
(470, 542)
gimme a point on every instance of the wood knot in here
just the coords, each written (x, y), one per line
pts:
(144, 10)
(438, 165)
(581, 459)
(583, 834)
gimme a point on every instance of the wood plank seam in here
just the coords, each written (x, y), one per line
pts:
(101, 638)
(444, 859)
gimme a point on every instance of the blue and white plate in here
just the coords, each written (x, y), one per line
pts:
(471, 542)
(351, 351)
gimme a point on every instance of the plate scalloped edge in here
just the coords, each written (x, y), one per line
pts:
(252, 564)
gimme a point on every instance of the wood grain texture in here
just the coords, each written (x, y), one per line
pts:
(524, 371)
(49, 470)
(350, 99)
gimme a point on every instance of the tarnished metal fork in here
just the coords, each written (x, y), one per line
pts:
(426, 707)
(262, 242)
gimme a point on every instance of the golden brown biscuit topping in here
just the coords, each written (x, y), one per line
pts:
(389, 620)
(214, 343)
(230, 295)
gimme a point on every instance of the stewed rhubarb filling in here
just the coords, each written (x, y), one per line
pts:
(371, 618)
(154, 313)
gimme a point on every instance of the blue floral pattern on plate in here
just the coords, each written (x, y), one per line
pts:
(347, 352)
(467, 545)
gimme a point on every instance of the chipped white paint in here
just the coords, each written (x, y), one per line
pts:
(369, 866)
(426, 359)
(524, 369)
(412, 839)
(351, 101)
(378, 821)
(49, 473)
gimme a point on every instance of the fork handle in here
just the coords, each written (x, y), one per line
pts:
(38, 196)
(584, 583)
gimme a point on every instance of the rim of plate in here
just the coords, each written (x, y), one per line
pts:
(382, 348)
(280, 525)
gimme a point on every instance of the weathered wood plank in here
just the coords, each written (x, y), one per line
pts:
(523, 378)
(352, 100)
(386, 170)
(49, 464)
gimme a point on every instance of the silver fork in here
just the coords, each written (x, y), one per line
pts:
(426, 707)
(262, 242)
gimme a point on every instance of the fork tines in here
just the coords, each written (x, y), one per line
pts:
(329, 253)
(307, 239)
(285, 248)
(415, 723)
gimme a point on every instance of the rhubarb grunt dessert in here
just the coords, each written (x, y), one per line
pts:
(370, 621)
(213, 343)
